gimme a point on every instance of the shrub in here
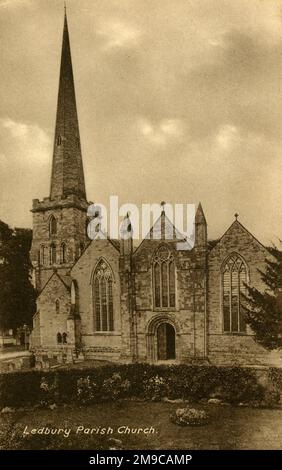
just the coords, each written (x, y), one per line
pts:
(275, 378)
(20, 388)
(115, 387)
(189, 416)
(271, 398)
(200, 382)
(86, 390)
(49, 392)
(240, 385)
(155, 388)
(151, 382)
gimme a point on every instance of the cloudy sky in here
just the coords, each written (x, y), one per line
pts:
(178, 100)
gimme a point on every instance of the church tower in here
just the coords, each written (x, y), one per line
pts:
(59, 221)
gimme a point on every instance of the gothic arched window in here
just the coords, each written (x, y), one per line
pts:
(52, 225)
(53, 254)
(74, 293)
(64, 338)
(164, 278)
(42, 255)
(57, 306)
(74, 297)
(59, 140)
(63, 253)
(234, 275)
(59, 338)
(103, 297)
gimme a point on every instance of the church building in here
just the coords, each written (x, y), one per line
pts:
(106, 299)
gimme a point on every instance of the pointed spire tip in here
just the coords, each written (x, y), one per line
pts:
(163, 204)
(200, 216)
(67, 178)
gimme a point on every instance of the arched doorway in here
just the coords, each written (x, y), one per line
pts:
(165, 342)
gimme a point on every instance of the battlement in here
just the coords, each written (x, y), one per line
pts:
(72, 200)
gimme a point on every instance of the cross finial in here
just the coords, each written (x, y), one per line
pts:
(162, 204)
(236, 215)
(65, 8)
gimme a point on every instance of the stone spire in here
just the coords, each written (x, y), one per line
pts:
(200, 227)
(67, 167)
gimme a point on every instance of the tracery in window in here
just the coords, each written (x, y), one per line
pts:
(164, 278)
(103, 297)
(52, 225)
(63, 253)
(53, 254)
(234, 277)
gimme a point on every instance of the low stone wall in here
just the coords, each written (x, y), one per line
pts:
(48, 359)
(16, 363)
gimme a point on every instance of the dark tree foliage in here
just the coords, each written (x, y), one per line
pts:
(17, 295)
(263, 310)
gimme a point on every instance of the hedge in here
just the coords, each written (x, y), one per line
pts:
(145, 381)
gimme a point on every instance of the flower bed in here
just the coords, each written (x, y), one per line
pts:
(143, 381)
(189, 417)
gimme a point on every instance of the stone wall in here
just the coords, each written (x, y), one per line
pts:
(227, 347)
(188, 316)
(52, 321)
(95, 343)
(70, 214)
(196, 318)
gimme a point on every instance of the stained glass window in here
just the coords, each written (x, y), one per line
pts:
(234, 278)
(52, 225)
(103, 297)
(164, 278)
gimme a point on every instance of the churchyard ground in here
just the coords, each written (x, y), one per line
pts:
(229, 427)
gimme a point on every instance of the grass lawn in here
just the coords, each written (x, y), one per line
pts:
(229, 427)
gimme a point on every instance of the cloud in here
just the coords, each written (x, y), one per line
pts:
(21, 130)
(12, 3)
(26, 143)
(24, 168)
(184, 94)
(118, 34)
(163, 132)
(227, 137)
(6, 3)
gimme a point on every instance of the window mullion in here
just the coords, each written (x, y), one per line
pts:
(107, 303)
(230, 301)
(161, 285)
(239, 300)
(168, 283)
(100, 301)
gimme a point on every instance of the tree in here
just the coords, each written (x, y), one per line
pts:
(263, 310)
(17, 295)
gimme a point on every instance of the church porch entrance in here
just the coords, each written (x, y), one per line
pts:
(165, 342)
(163, 339)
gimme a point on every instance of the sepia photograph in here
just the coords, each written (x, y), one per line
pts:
(140, 228)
